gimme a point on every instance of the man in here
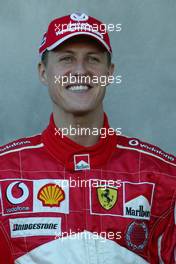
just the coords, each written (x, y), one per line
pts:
(84, 198)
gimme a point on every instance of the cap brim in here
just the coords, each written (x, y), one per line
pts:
(57, 43)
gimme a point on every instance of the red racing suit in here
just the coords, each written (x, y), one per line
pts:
(63, 203)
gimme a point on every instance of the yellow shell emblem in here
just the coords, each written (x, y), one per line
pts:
(51, 195)
(107, 197)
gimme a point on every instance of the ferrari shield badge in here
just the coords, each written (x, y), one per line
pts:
(107, 197)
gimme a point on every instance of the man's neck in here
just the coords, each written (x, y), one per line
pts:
(83, 123)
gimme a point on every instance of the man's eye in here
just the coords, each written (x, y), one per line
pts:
(93, 59)
(66, 59)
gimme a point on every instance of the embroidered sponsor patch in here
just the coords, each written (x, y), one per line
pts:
(152, 149)
(51, 196)
(31, 196)
(13, 145)
(137, 235)
(130, 200)
(16, 196)
(35, 226)
(82, 162)
(106, 199)
(138, 200)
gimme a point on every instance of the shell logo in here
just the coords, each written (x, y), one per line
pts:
(51, 195)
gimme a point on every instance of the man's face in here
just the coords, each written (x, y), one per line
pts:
(79, 57)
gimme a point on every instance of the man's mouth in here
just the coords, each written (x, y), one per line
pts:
(79, 87)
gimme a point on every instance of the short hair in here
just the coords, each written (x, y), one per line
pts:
(109, 58)
(44, 57)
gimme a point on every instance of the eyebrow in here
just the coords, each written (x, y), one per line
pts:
(89, 53)
(95, 52)
(67, 51)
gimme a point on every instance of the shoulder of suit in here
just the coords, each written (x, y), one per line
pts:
(135, 144)
(32, 142)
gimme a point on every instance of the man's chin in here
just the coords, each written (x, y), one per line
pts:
(80, 112)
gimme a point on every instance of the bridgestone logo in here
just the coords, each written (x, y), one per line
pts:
(140, 213)
(35, 226)
(40, 226)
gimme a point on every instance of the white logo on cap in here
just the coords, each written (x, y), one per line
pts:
(22, 198)
(79, 17)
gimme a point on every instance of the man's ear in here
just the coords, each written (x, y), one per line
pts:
(110, 73)
(42, 73)
(111, 69)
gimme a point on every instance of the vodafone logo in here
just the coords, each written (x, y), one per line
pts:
(20, 186)
(133, 142)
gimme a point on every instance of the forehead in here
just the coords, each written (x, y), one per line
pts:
(82, 42)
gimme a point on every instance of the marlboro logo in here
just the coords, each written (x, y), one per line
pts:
(82, 162)
(139, 212)
(138, 200)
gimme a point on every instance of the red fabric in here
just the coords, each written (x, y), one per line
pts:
(65, 27)
(64, 149)
(139, 204)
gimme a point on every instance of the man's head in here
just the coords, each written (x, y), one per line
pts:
(74, 56)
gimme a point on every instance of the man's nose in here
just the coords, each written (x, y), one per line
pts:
(79, 68)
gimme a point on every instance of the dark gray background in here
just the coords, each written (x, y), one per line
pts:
(144, 105)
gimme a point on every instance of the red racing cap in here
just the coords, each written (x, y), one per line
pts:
(63, 28)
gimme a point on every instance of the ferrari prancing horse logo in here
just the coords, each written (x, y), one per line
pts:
(107, 197)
